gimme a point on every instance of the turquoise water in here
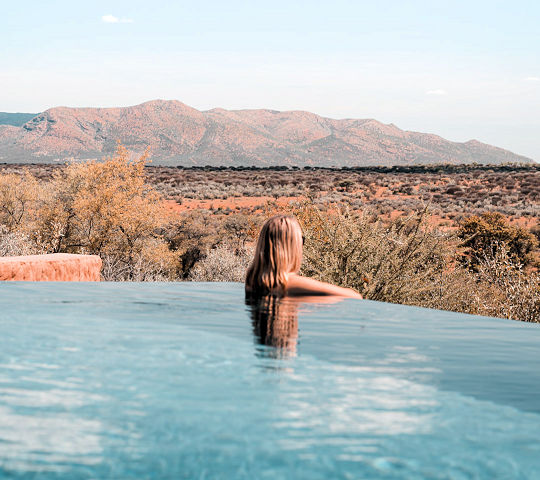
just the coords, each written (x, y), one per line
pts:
(172, 381)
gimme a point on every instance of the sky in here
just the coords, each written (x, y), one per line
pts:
(461, 69)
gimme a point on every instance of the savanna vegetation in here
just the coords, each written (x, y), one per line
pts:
(452, 192)
(455, 238)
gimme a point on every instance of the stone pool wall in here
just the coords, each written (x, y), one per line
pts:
(53, 267)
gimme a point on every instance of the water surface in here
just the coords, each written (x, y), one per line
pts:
(187, 381)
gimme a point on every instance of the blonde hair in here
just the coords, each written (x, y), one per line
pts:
(278, 253)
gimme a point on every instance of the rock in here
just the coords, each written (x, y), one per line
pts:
(55, 267)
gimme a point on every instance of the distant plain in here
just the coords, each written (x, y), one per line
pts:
(449, 192)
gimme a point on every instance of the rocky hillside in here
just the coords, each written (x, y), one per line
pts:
(180, 135)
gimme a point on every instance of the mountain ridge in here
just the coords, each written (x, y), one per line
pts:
(178, 134)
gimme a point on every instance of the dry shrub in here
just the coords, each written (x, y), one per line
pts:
(107, 209)
(407, 261)
(482, 233)
(507, 290)
(99, 206)
(153, 264)
(102, 208)
(15, 243)
(401, 261)
(191, 235)
(18, 197)
(223, 264)
(240, 228)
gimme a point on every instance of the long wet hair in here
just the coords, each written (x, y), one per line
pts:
(278, 253)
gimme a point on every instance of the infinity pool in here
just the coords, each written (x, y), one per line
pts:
(185, 380)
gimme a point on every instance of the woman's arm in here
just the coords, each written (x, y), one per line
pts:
(298, 286)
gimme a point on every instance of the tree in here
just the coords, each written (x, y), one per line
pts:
(18, 196)
(105, 208)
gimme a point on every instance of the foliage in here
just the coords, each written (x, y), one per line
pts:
(103, 208)
(18, 196)
(482, 234)
(155, 262)
(191, 236)
(14, 243)
(222, 264)
(395, 262)
(512, 292)
(408, 261)
(196, 234)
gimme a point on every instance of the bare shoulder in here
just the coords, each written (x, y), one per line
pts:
(298, 285)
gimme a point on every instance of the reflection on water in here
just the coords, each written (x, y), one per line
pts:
(365, 400)
(275, 324)
(275, 321)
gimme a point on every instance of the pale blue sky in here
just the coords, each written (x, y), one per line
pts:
(461, 69)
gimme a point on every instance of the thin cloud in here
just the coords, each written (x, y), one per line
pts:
(438, 91)
(532, 79)
(112, 19)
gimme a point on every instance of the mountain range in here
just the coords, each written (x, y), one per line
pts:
(178, 134)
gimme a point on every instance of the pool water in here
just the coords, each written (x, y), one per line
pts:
(186, 380)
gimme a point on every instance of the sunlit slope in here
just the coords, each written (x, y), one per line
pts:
(181, 135)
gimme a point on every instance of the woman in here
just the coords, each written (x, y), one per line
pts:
(278, 255)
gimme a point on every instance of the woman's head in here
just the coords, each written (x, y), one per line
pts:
(278, 253)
